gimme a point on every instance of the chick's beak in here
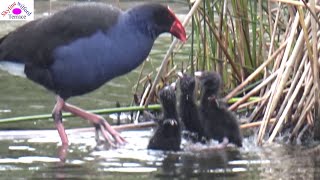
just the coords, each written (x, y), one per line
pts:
(180, 74)
(198, 74)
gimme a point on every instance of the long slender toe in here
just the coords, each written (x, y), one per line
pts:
(99, 122)
(116, 136)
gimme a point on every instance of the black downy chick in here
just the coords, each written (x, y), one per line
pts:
(218, 122)
(167, 136)
(188, 109)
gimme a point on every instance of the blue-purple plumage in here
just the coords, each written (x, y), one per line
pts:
(80, 48)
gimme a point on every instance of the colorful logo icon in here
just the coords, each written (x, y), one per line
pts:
(17, 10)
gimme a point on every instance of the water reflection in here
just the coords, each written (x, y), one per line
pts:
(33, 157)
(86, 159)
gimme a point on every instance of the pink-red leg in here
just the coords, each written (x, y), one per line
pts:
(63, 152)
(99, 122)
(57, 117)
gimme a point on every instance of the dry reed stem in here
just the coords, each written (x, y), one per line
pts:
(263, 43)
(279, 84)
(293, 85)
(309, 104)
(270, 24)
(143, 80)
(219, 66)
(259, 108)
(297, 3)
(255, 73)
(315, 69)
(254, 91)
(274, 29)
(303, 98)
(134, 126)
(306, 33)
(299, 137)
(279, 58)
(254, 124)
(288, 105)
(310, 119)
(276, 64)
(144, 96)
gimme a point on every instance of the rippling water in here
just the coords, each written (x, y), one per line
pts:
(32, 154)
(35, 154)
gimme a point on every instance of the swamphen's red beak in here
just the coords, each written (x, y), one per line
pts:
(177, 29)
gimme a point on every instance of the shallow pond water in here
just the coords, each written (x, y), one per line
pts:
(37, 154)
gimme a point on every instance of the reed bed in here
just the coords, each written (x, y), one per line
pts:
(290, 86)
(260, 48)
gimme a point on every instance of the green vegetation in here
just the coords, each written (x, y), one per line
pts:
(260, 48)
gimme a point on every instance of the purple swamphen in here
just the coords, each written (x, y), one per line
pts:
(78, 49)
(217, 121)
(167, 135)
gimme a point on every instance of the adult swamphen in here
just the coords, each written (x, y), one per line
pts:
(217, 121)
(188, 109)
(167, 135)
(78, 49)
